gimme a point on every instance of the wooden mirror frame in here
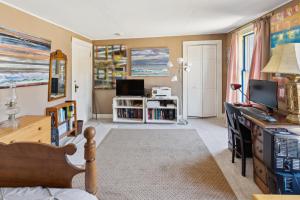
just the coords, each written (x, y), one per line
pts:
(57, 55)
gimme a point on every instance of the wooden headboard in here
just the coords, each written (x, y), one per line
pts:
(36, 164)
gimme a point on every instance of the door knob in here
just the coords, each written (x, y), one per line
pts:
(76, 87)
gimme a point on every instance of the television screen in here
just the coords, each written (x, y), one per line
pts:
(263, 92)
(130, 87)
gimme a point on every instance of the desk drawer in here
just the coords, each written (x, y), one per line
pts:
(257, 132)
(258, 149)
(260, 170)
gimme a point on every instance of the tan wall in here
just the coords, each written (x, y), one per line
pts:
(103, 98)
(33, 100)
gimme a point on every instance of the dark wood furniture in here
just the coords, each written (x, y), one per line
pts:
(30, 129)
(36, 164)
(260, 170)
(240, 139)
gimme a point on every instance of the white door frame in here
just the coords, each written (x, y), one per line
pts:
(76, 41)
(219, 73)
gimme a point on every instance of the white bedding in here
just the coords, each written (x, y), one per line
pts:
(39, 193)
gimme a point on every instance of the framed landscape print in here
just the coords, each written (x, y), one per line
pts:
(24, 59)
(149, 62)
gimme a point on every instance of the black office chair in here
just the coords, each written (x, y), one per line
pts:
(241, 139)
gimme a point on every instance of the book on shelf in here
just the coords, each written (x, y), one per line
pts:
(61, 115)
(135, 103)
(130, 113)
(62, 128)
(161, 114)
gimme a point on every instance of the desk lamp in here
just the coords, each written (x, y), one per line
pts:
(286, 60)
(237, 86)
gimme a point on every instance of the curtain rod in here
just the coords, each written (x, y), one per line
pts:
(270, 14)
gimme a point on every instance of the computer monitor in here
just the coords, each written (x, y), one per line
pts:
(264, 92)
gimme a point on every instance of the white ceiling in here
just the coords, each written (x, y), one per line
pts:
(101, 19)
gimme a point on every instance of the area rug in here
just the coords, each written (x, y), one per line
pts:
(160, 164)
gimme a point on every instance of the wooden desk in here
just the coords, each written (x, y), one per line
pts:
(260, 171)
(30, 129)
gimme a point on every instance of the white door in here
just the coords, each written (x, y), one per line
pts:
(194, 93)
(209, 81)
(82, 78)
(202, 81)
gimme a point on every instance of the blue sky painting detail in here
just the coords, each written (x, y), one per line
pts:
(149, 62)
(24, 59)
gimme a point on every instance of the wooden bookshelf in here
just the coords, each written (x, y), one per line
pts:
(63, 119)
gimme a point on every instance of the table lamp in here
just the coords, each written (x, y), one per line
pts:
(237, 86)
(286, 60)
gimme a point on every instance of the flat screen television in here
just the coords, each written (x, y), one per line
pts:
(130, 87)
(264, 92)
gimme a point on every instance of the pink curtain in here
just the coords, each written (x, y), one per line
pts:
(232, 72)
(261, 49)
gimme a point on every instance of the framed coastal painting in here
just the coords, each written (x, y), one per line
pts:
(149, 62)
(24, 59)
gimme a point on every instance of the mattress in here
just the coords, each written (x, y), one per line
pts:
(39, 193)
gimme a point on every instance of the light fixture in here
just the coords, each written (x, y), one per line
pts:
(174, 78)
(170, 64)
(182, 67)
(180, 61)
(286, 60)
(237, 86)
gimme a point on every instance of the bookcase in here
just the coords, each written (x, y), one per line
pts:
(145, 110)
(63, 120)
(129, 109)
(162, 110)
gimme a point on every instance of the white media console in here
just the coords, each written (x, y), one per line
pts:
(145, 110)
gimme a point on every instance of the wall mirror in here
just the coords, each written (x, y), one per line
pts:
(57, 75)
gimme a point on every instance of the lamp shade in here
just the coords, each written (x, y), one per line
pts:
(235, 86)
(285, 59)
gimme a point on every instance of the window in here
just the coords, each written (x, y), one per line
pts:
(248, 43)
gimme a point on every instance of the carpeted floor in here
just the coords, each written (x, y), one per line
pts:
(158, 165)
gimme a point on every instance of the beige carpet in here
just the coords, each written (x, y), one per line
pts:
(157, 164)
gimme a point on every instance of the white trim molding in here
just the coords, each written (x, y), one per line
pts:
(219, 73)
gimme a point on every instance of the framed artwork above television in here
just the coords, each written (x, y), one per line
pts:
(110, 64)
(149, 61)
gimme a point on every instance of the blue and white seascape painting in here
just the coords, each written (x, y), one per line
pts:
(149, 62)
(24, 59)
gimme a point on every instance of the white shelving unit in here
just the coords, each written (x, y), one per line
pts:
(163, 110)
(129, 109)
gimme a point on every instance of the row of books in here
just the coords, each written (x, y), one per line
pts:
(65, 113)
(130, 113)
(137, 103)
(161, 114)
(67, 126)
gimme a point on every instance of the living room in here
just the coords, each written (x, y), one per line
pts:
(149, 100)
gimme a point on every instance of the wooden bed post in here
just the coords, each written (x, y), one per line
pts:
(90, 157)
